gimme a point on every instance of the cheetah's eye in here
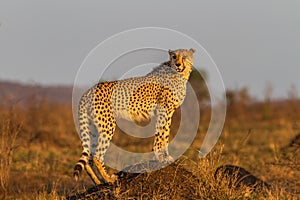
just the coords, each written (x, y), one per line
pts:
(174, 56)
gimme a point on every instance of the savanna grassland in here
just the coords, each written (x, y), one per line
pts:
(39, 147)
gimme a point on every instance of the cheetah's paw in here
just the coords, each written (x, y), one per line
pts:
(167, 160)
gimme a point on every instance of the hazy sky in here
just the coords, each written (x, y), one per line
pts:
(252, 43)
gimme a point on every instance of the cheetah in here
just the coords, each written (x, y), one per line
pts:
(137, 99)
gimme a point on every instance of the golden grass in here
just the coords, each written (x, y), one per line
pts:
(39, 147)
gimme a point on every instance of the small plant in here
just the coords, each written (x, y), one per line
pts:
(9, 131)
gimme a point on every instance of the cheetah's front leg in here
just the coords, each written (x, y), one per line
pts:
(164, 118)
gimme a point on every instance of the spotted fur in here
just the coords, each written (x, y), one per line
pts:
(137, 99)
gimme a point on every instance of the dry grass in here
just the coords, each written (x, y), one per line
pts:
(39, 147)
(9, 133)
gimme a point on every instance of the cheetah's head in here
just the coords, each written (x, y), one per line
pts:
(182, 61)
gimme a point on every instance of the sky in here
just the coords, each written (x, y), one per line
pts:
(253, 43)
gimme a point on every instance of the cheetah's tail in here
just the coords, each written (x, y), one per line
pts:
(82, 113)
(80, 165)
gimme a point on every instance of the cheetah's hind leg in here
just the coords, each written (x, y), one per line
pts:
(92, 175)
(101, 170)
(84, 164)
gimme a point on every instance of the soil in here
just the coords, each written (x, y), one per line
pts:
(172, 181)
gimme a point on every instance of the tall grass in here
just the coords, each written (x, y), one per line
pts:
(9, 131)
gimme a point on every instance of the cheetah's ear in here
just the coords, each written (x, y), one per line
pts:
(170, 51)
(192, 50)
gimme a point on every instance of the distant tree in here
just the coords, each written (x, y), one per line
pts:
(293, 99)
(240, 96)
(292, 93)
(244, 96)
(267, 107)
(238, 101)
(268, 92)
(197, 80)
(230, 97)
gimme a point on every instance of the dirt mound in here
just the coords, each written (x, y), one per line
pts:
(292, 150)
(290, 154)
(170, 182)
(295, 142)
(239, 176)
